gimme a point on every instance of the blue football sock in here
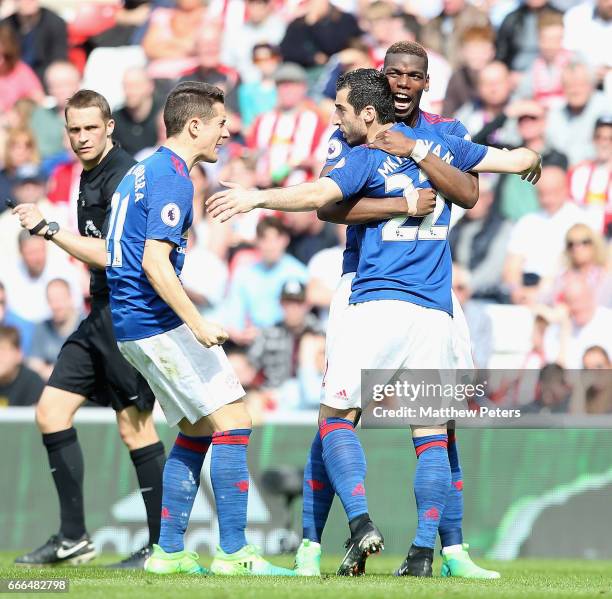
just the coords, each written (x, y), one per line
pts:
(452, 516)
(318, 493)
(180, 487)
(432, 481)
(345, 464)
(229, 475)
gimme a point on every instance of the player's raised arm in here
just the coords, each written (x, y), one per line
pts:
(297, 198)
(521, 161)
(459, 187)
(90, 250)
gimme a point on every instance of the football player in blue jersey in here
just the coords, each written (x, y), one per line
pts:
(405, 265)
(163, 335)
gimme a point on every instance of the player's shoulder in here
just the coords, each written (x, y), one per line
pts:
(443, 124)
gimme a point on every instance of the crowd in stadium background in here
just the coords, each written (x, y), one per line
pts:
(532, 265)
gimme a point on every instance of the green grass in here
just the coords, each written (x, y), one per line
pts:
(522, 578)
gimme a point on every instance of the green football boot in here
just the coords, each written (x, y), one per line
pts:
(180, 562)
(247, 561)
(460, 565)
(308, 559)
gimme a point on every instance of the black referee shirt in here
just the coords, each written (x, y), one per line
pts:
(96, 191)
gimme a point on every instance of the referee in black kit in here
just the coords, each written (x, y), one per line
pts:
(89, 365)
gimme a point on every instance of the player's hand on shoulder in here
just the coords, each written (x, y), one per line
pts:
(29, 216)
(532, 173)
(210, 333)
(426, 201)
(229, 202)
(393, 142)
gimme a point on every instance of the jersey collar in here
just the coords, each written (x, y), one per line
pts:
(179, 164)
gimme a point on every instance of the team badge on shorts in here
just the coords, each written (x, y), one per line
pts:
(171, 215)
(231, 380)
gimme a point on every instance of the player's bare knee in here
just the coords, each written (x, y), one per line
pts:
(329, 412)
(55, 410)
(136, 429)
(425, 431)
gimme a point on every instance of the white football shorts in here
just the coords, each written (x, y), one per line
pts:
(189, 380)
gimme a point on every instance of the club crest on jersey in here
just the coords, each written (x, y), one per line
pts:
(171, 214)
(334, 149)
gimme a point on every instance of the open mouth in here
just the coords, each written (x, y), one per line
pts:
(402, 102)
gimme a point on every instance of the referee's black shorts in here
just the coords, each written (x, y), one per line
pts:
(91, 364)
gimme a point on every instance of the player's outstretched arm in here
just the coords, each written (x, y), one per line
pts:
(522, 161)
(459, 187)
(365, 210)
(160, 272)
(297, 198)
(86, 249)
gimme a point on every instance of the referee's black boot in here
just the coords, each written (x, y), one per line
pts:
(60, 551)
(135, 561)
(418, 562)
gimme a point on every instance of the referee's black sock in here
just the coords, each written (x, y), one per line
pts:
(149, 462)
(66, 462)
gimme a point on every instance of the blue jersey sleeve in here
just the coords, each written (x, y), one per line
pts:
(458, 129)
(353, 172)
(467, 154)
(337, 148)
(170, 208)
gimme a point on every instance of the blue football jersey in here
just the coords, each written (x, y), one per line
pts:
(153, 201)
(404, 258)
(338, 148)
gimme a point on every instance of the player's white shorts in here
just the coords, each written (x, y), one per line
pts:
(189, 380)
(384, 334)
(461, 335)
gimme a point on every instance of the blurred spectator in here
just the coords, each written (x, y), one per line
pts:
(570, 125)
(160, 128)
(135, 121)
(476, 52)
(29, 187)
(259, 96)
(17, 80)
(210, 70)
(262, 26)
(309, 235)
(443, 34)
(517, 197)
(50, 334)
(553, 392)
(591, 180)
(494, 87)
(254, 297)
(588, 31)
(170, 41)
(479, 322)
(205, 291)
(62, 80)
(26, 279)
(543, 229)
(43, 36)
(598, 388)
(130, 27)
(579, 324)
(542, 81)
(311, 369)
(287, 137)
(324, 272)
(517, 38)
(479, 240)
(275, 350)
(585, 256)
(20, 149)
(19, 386)
(323, 31)
(9, 319)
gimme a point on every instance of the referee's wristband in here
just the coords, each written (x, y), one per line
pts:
(419, 152)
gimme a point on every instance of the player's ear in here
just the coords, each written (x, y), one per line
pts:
(426, 88)
(110, 127)
(369, 114)
(195, 126)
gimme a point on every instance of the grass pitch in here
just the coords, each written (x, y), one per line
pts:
(521, 578)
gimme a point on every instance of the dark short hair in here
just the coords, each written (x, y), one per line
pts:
(270, 222)
(87, 98)
(188, 100)
(10, 45)
(369, 87)
(10, 334)
(410, 48)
